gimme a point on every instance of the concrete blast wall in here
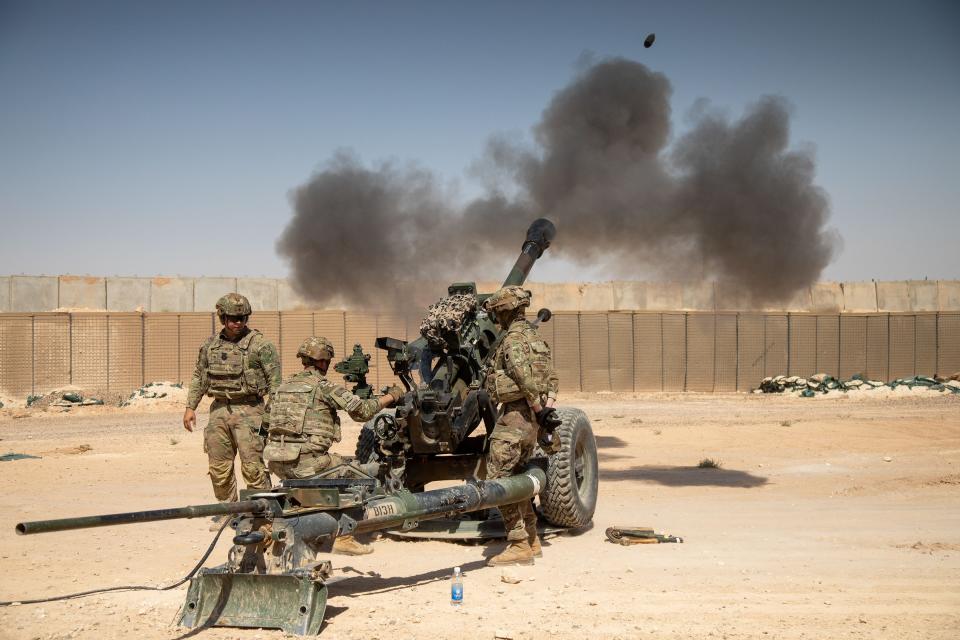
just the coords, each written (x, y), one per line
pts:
(35, 294)
(592, 351)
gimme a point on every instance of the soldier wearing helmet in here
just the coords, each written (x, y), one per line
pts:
(524, 381)
(238, 368)
(304, 423)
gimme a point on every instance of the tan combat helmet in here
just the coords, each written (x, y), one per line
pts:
(233, 304)
(507, 299)
(316, 348)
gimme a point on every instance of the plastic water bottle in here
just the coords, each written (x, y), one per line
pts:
(456, 588)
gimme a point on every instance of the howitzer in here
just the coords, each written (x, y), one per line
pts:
(274, 576)
(430, 434)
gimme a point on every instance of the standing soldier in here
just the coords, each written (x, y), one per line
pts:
(524, 381)
(238, 368)
(304, 423)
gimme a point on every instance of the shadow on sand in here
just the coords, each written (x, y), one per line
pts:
(610, 442)
(685, 476)
(373, 582)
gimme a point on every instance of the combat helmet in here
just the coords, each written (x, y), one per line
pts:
(507, 299)
(233, 304)
(316, 348)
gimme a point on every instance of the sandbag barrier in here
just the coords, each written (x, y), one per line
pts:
(823, 383)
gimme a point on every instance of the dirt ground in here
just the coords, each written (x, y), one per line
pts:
(829, 518)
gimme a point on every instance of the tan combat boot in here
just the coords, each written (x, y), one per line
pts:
(515, 553)
(348, 546)
(535, 547)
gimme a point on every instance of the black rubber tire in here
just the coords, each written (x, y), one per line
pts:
(366, 450)
(570, 497)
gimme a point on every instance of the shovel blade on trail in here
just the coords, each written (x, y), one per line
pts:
(291, 603)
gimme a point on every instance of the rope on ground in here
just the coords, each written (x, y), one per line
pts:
(81, 594)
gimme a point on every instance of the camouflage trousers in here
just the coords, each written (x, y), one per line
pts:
(511, 446)
(313, 458)
(232, 430)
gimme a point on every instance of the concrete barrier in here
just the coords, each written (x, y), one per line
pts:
(948, 295)
(664, 296)
(128, 294)
(560, 297)
(826, 297)
(82, 293)
(893, 296)
(4, 294)
(596, 295)
(923, 295)
(698, 296)
(730, 297)
(629, 296)
(261, 292)
(32, 293)
(206, 292)
(171, 294)
(802, 300)
(288, 299)
(859, 296)
(46, 293)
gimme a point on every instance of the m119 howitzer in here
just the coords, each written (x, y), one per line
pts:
(273, 576)
(429, 435)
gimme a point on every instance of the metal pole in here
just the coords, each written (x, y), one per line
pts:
(33, 355)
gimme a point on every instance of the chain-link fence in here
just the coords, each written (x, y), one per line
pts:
(595, 351)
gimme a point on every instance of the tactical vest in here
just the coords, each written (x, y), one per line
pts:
(229, 373)
(502, 386)
(301, 407)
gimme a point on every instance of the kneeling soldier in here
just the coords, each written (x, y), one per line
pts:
(304, 423)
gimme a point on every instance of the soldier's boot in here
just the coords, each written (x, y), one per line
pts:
(517, 552)
(535, 547)
(348, 546)
(217, 521)
(530, 526)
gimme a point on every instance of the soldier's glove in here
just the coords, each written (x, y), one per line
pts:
(548, 419)
(395, 392)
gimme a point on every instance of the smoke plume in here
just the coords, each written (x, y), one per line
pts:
(727, 200)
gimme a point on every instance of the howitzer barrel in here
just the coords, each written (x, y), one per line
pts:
(539, 236)
(391, 512)
(199, 511)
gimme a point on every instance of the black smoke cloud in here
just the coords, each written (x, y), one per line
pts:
(727, 200)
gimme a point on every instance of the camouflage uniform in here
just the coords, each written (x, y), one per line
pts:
(237, 375)
(304, 424)
(303, 417)
(522, 376)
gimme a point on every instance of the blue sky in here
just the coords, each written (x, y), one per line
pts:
(164, 138)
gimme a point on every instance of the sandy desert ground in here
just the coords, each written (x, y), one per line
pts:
(834, 517)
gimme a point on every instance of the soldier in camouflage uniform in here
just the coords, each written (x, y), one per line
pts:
(238, 368)
(526, 384)
(304, 423)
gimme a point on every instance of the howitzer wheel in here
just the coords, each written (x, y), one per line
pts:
(570, 497)
(366, 450)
